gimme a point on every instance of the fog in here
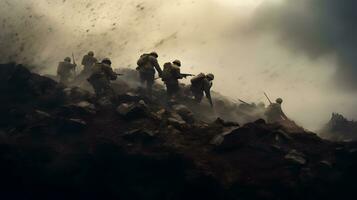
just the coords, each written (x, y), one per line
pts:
(226, 37)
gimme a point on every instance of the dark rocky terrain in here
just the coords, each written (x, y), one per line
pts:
(63, 143)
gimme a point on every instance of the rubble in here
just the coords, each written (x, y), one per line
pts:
(135, 148)
(133, 110)
(296, 157)
(339, 129)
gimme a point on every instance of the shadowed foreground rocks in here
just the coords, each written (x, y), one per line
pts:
(62, 143)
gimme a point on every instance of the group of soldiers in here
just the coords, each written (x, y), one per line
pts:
(100, 74)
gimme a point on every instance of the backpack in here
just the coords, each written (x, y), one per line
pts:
(197, 79)
(166, 72)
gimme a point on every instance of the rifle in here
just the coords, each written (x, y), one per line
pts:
(74, 61)
(244, 102)
(117, 74)
(75, 68)
(186, 75)
(267, 98)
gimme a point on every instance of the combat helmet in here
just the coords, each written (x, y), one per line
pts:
(67, 59)
(177, 62)
(107, 61)
(210, 76)
(279, 100)
(154, 54)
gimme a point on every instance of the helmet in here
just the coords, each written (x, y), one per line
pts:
(107, 61)
(91, 53)
(210, 76)
(279, 100)
(177, 62)
(67, 59)
(154, 54)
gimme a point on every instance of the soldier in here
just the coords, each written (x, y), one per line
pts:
(147, 64)
(201, 84)
(274, 113)
(170, 76)
(100, 78)
(88, 62)
(65, 70)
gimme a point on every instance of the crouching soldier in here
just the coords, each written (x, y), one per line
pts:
(200, 85)
(65, 70)
(147, 64)
(100, 78)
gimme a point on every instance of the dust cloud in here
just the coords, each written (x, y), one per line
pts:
(206, 35)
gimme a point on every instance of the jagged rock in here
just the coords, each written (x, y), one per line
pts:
(177, 121)
(142, 135)
(221, 122)
(72, 125)
(129, 97)
(218, 140)
(339, 128)
(133, 110)
(88, 107)
(76, 94)
(296, 157)
(105, 103)
(185, 113)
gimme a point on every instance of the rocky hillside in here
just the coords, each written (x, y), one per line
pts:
(63, 143)
(339, 129)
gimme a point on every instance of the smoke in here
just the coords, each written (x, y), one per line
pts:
(316, 28)
(242, 42)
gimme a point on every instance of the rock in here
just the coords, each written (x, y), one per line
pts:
(219, 139)
(86, 106)
(296, 157)
(185, 113)
(223, 123)
(77, 94)
(132, 111)
(129, 97)
(72, 125)
(105, 103)
(176, 120)
(142, 135)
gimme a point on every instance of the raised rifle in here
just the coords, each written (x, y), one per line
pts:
(267, 98)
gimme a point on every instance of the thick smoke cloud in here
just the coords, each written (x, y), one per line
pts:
(316, 28)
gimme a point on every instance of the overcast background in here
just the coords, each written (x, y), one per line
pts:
(300, 50)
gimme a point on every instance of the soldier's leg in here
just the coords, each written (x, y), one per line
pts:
(198, 96)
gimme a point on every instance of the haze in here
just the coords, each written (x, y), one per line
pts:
(206, 35)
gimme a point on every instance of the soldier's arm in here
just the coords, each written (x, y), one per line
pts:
(207, 88)
(84, 60)
(111, 73)
(157, 66)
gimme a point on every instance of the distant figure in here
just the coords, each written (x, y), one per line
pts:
(201, 84)
(274, 113)
(170, 76)
(147, 64)
(100, 78)
(65, 70)
(88, 62)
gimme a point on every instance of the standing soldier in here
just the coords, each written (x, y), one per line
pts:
(171, 75)
(65, 70)
(88, 62)
(274, 113)
(100, 78)
(147, 64)
(201, 84)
